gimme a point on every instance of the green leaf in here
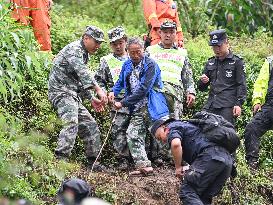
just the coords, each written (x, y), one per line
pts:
(28, 61)
(16, 38)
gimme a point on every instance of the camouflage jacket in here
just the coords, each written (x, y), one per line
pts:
(70, 74)
(108, 74)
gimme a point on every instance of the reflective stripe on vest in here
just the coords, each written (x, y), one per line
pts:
(270, 61)
(170, 61)
(115, 66)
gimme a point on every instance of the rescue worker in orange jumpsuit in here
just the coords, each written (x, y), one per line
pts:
(158, 11)
(36, 14)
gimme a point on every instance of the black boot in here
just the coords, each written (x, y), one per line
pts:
(234, 172)
(60, 156)
(123, 164)
(97, 166)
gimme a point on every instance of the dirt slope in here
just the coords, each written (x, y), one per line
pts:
(161, 188)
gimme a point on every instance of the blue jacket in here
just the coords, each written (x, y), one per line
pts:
(150, 84)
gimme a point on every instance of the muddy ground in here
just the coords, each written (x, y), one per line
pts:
(160, 188)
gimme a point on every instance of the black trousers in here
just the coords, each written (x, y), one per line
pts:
(225, 112)
(255, 129)
(206, 176)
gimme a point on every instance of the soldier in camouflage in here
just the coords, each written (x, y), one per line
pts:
(175, 70)
(68, 79)
(106, 76)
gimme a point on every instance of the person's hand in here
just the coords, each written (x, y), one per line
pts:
(179, 173)
(257, 108)
(102, 95)
(190, 100)
(111, 97)
(180, 44)
(117, 105)
(50, 4)
(204, 78)
(237, 111)
(97, 104)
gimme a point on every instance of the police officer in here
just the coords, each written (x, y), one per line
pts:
(106, 76)
(68, 80)
(263, 113)
(210, 164)
(226, 76)
(175, 69)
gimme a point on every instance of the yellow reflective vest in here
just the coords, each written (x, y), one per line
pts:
(261, 84)
(115, 66)
(170, 61)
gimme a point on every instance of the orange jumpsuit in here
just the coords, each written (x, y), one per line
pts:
(158, 11)
(35, 13)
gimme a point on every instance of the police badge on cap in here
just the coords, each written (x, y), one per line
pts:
(168, 24)
(217, 37)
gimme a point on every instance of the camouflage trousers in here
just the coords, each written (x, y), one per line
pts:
(175, 107)
(118, 134)
(76, 120)
(136, 136)
(174, 96)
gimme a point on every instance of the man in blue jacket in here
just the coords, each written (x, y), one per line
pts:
(140, 78)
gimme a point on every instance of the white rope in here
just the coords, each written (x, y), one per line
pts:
(105, 140)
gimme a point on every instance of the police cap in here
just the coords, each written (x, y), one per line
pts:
(168, 24)
(159, 123)
(217, 37)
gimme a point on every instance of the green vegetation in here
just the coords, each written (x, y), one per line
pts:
(27, 166)
(28, 130)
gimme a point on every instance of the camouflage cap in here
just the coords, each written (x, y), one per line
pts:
(116, 34)
(95, 33)
(168, 24)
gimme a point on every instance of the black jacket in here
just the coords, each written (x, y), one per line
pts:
(227, 80)
(192, 139)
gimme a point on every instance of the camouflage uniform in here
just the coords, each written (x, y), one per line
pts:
(106, 76)
(68, 78)
(136, 134)
(175, 71)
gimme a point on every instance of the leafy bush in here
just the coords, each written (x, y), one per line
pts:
(27, 169)
(19, 59)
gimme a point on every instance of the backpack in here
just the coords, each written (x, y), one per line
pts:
(217, 130)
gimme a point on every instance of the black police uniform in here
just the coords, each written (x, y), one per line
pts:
(259, 125)
(210, 164)
(227, 81)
